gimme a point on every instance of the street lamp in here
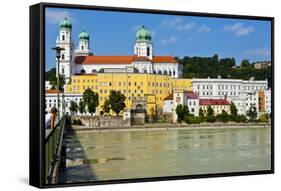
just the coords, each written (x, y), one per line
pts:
(58, 55)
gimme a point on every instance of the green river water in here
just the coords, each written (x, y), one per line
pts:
(110, 155)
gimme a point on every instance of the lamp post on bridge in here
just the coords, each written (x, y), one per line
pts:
(58, 56)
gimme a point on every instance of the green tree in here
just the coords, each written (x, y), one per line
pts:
(73, 107)
(201, 112)
(91, 100)
(181, 111)
(116, 101)
(252, 113)
(233, 109)
(106, 106)
(264, 118)
(82, 107)
(245, 63)
(210, 111)
(53, 82)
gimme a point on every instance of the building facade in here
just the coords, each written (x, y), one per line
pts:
(83, 61)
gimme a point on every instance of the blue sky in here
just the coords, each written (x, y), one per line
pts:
(113, 33)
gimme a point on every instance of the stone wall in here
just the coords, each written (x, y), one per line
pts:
(102, 121)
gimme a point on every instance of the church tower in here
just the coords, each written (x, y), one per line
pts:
(83, 48)
(143, 45)
(64, 40)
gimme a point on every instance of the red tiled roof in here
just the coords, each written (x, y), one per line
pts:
(164, 59)
(51, 91)
(192, 95)
(213, 102)
(141, 58)
(104, 59)
(169, 97)
(121, 59)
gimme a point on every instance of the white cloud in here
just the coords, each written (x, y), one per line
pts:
(170, 40)
(258, 52)
(178, 24)
(203, 28)
(239, 29)
(54, 17)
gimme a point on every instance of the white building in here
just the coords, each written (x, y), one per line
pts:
(48, 85)
(51, 100)
(82, 60)
(243, 93)
(168, 105)
(230, 88)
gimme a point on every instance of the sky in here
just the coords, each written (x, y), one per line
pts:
(113, 33)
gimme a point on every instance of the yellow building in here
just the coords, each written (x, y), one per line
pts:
(152, 88)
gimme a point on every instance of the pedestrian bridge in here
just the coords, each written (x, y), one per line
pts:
(54, 157)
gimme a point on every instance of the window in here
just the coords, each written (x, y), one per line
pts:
(82, 47)
(62, 56)
(63, 37)
(62, 70)
(148, 51)
(82, 71)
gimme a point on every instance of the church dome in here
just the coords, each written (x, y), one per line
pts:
(65, 24)
(143, 34)
(84, 35)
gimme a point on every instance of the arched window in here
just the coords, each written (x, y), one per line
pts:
(165, 72)
(82, 71)
(62, 70)
(144, 71)
(148, 51)
(63, 37)
(62, 56)
(170, 73)
(82, 47)
(174, 73)
(159, 72)
(94, 71)
(139, 106)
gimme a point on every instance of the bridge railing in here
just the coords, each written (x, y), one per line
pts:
(53, 142)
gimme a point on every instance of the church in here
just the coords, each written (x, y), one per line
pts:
(81, 60)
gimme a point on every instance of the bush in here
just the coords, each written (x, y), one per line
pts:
(77, 122)
(264, 118)
(211, 119)
(192, 120)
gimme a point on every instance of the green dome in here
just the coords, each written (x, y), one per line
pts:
(65, 24)
(143, 34)
(84, 35)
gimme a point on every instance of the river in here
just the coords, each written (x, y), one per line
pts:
(110, 155)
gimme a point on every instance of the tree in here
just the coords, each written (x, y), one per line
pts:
(210, 111)
(73, 107)
(201, 112)
(245, 63)
(91, 100)
(116, 101)
(53, 82)
(233, 109)
(106, 106)
(264, 118)
(252, 113)
(82, 107)
(181, 111)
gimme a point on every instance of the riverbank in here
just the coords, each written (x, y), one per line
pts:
(167, 126)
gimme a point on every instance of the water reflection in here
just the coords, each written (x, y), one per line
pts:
(155, 153)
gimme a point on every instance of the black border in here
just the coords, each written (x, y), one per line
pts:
(37, 92)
